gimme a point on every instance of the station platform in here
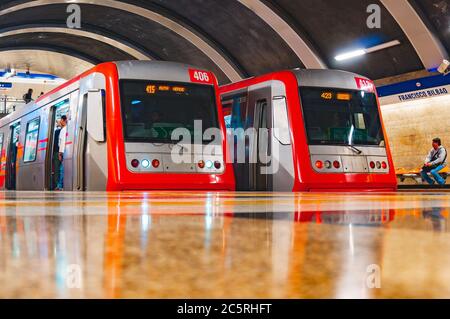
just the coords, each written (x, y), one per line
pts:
(225, 245)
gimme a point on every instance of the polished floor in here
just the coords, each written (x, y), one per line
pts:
(224, 245)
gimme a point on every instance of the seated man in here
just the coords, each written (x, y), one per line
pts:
(434, 163)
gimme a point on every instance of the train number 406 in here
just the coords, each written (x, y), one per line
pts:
(200, 76)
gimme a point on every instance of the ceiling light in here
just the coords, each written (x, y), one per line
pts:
(360, 52)
(349, 55)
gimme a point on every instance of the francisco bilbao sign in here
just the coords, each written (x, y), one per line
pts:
(416, 95)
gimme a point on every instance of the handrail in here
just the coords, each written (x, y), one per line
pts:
(8, 104)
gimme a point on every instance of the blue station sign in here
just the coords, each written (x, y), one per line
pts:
(5, 85)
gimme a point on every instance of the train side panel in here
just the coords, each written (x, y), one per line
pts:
(92, 164)
(243, 108)
(33, 151)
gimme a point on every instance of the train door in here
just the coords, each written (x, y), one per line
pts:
(49, 174)
(282, 165)
(11, 163)
(89, 143)
(236, 111)
(260, 177)
(54, 173)
(80, 148)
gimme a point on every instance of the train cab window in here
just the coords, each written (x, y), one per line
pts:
(153, 110)
(341, 117)
(31, 141)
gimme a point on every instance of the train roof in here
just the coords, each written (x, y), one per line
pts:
(325, 78)
(160, 70)
(328, 78)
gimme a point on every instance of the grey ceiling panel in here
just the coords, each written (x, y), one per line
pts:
(237, 32)
(339, 26)
(437, 14)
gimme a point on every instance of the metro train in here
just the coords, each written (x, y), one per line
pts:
(121, 116)
(324, 133)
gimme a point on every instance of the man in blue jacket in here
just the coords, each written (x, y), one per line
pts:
(434, 163)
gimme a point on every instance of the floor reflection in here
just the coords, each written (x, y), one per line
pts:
(215, 245)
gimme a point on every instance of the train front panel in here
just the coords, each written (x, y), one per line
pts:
(346, 141)
(168, 131)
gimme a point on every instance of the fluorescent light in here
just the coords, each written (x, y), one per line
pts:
(383, 46)
(360, 52)
(349, 55)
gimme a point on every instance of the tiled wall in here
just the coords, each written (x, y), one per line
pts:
(411, 126)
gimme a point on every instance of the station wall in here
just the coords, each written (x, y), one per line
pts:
(412, 125)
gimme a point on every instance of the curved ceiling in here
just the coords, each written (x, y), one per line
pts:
(236, 38)
(44, 61)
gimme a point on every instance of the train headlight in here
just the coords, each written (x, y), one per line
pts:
(327, 164)
(384, 165)
(201, 164)
(378, 165)
(209, 164)
(372, 165)
(217, 164)
(145, 163)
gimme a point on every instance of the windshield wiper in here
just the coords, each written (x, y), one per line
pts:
(354, 149)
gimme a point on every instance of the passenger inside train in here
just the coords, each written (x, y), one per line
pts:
(12, 158)
(59, 146)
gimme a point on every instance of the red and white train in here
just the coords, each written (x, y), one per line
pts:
(120, 119)
(325, 132)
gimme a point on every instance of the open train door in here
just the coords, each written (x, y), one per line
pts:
(56, 111)
(11, 162)
(48, 182)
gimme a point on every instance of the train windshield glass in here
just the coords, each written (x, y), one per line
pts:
(153, 110)
(341, 117)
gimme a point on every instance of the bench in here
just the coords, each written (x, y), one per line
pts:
(404, 174)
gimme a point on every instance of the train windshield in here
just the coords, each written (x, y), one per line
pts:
(341, 117)
(153, 110)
